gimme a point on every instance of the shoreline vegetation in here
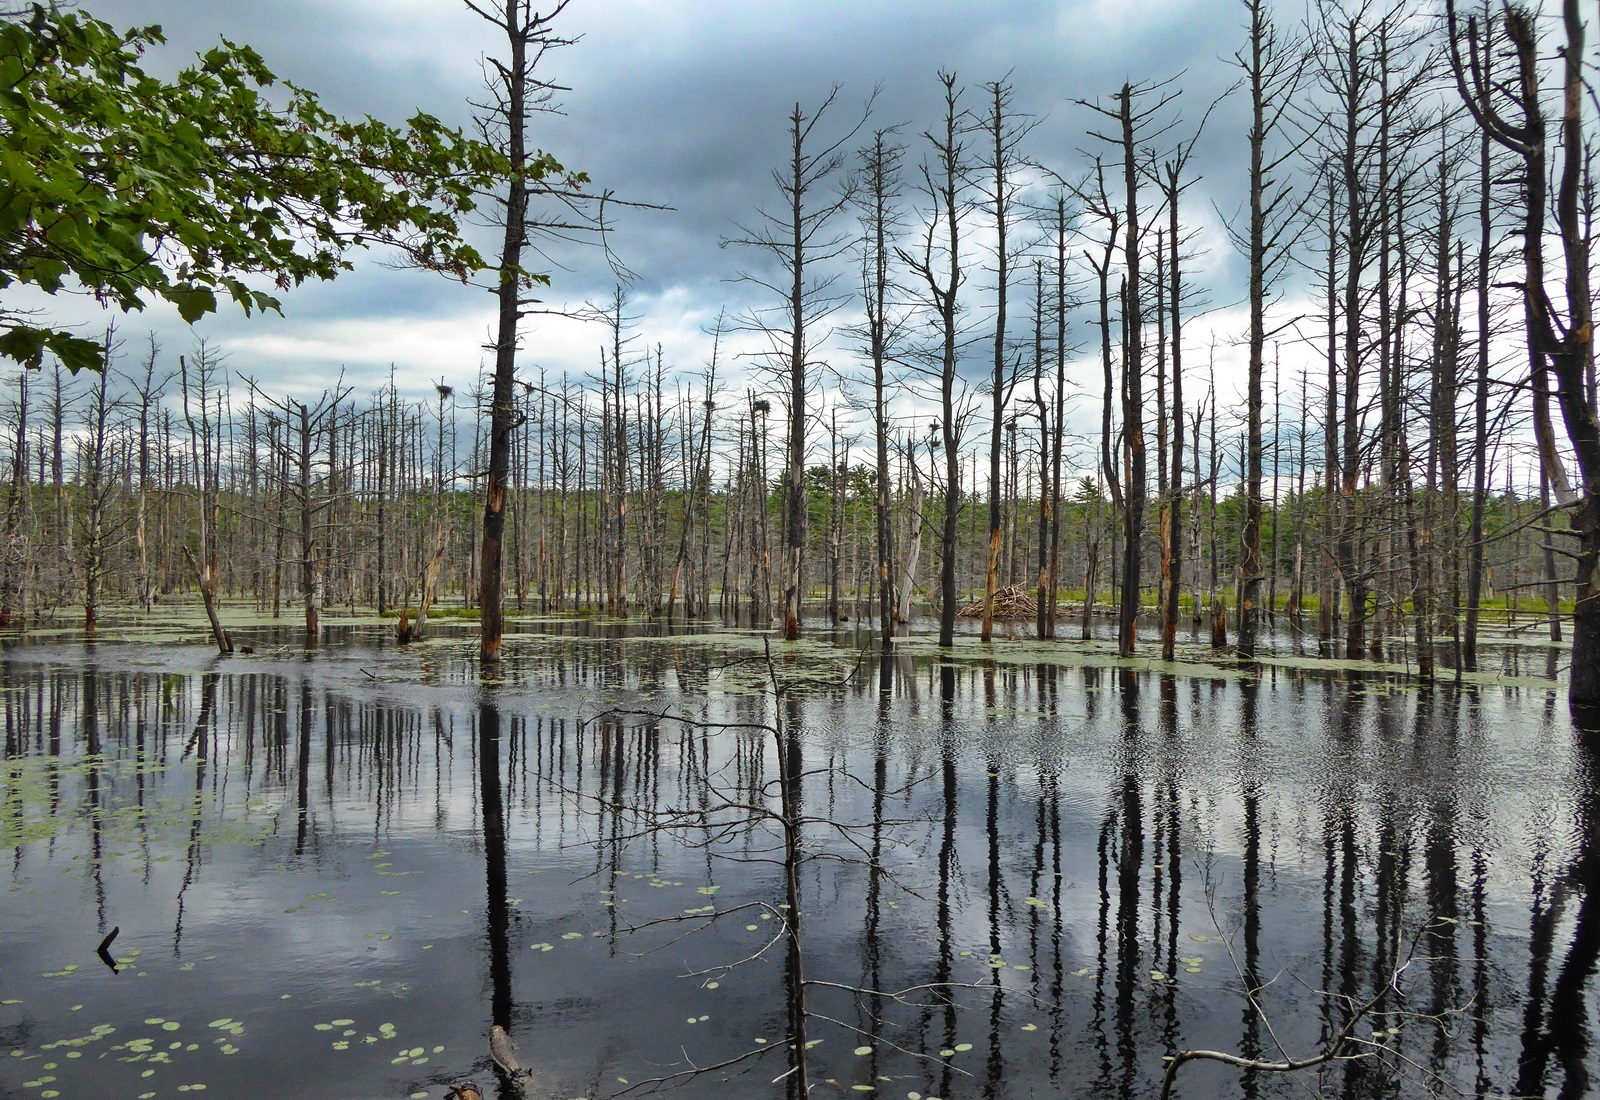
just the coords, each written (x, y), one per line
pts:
(184, 620)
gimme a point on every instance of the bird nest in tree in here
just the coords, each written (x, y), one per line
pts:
(1011, 602)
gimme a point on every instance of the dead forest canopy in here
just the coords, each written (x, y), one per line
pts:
(969, 356)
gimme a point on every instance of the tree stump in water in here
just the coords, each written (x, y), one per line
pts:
(1219, 623)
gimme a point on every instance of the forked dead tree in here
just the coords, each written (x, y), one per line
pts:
(1511, 112)
(799, 234)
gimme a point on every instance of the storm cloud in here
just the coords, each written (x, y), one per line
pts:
(683, 104)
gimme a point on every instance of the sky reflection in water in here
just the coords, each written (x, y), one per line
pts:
(331, 874)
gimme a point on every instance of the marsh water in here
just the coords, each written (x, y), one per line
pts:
(1029, 870)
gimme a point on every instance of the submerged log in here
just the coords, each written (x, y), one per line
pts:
(504, 1053)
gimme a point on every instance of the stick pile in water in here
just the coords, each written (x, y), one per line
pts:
(1011, 602)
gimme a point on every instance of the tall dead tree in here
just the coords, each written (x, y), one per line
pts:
(799, 234)
(17, 494)
(1327, 592)
(99, 528)
(1135, 116)
(198, 384)
(1041, 410)
(1172, 187)
(1560, 333)
(1050, 583)
(516, 93)
(998, 181)
(1098, 205)
(304, 424)
(878, 197)
(1480, 407)
(147, 391)
(1273, 71)
(430, 570)
(697, 483)
(939, 265)
(616, 470)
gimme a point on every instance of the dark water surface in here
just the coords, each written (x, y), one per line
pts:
(1018, 878)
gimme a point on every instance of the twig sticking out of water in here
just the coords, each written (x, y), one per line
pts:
(105, 953)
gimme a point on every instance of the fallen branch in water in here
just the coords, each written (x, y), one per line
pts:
(1338, 1047)
(1344, 1045)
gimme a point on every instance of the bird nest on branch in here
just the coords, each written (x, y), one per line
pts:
(1011, 602)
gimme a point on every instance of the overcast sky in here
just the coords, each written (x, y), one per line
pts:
(683, 103)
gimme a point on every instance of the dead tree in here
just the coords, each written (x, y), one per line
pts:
(205, 445)
(430, 571)
(878, 196)
(1135, 120)
(1560, 334)
(98, 528)
(799, 234)
(997, 180)
(939, 265)
(17, 495)
(517, 93)
(303, 425)
(1273, 69)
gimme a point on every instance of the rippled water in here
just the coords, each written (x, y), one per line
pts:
(1017, 877)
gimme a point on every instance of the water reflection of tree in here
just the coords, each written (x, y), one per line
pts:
(497, 914)
(1397, 824)
(1556, 1025)
(199, 745)
(1250, 790)
(948, 867)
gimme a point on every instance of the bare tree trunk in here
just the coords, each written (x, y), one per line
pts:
(944, 185)
(1004, 136)
(1042, 411)
(1091, 566)
(528, 36)
(880, 188)
(1272, 73)
(1059, 421)
(1560, 341)
(908, 569)
(1172, 506)
(92, 470)
(1327, 596)
(310, 571)
(1131, 121)
(1110, 445)
(800, 237)
(200, 446)
(1552, 585)
(1297, 577)
(1480, 416)
(11, 587)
